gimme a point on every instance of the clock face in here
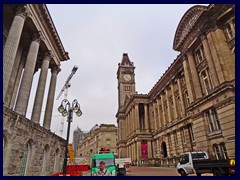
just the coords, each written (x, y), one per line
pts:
(127, 77)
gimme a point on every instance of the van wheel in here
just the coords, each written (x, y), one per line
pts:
(182, 173)
(199, 174)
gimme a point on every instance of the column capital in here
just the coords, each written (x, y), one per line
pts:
(189, 53)
(203, 37)
(55, 69)
(47, 55)
(184, 58)
(22, 11)
(37, 36)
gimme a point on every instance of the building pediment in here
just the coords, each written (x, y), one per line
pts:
(186, 24)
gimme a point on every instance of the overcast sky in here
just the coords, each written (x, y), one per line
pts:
(96, 36)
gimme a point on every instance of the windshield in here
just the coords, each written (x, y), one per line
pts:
(199, 156)
(108, 162)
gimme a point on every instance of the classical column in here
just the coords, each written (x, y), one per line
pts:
(215, 57)
(26, 84)
(210, 62)
(50, 98)
(132, 154)
(187, 79)
(174, 101)
(146, 117)
(130, 123)
(158, 148)
(155, 116)
(149, 143)
(169, 107)
(181, 96)
(139, 155)
(137, 117)
(227, 57)
(163, 110)
(194, 75)
(17, 81)
(129, 129)
(159, 115)
(132, 116)
(13, 77)
(37, 107)
(11, 45)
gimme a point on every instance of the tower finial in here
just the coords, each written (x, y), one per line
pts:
(126, 61)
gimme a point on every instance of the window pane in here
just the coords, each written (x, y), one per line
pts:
(217, 119)
(191, 133)
(24, 160)
(217, 151)
(211, 127)
(183, 135)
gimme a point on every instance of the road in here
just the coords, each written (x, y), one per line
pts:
(151, 171)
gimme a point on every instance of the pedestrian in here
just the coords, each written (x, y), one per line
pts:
(102, 171)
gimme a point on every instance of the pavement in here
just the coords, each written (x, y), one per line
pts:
(151, 171)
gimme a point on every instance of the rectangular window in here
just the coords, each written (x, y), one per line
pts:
(183, 135)
(217, 151)
(229, 31)
(224, 150)
(210, 122)
(206, 82)
(216, 118)
(187, 99)
(191, 133)
(172, 113)
(199, 55)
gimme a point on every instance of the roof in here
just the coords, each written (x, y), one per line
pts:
(186, 24)
(101, 156)
(126, 61)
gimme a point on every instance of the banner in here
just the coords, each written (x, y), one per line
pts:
(144, 149)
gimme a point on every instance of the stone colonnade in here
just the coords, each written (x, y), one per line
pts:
(21, 98)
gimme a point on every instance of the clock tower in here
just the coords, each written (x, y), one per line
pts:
(126, 80)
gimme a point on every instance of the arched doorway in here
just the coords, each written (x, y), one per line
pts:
(164, 149)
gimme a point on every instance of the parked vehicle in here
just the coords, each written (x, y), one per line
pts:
(109, 160)
(199, 163)
(121, 164)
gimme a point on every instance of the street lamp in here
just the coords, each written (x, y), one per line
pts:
(66, 109)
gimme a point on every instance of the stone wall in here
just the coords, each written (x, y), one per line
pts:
(45, 149)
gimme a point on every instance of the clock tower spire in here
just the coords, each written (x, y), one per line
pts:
(126, 80)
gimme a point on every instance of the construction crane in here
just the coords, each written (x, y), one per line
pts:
(65, 90)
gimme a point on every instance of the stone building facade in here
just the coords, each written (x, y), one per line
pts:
(192, 106)
(78, 137)
(103, 136)
(30, 42)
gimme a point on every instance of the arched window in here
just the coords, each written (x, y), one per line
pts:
(5, 143)
(45, 158)
(56, 161)
(26, 152)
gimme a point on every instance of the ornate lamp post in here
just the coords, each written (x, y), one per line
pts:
(66, 109)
